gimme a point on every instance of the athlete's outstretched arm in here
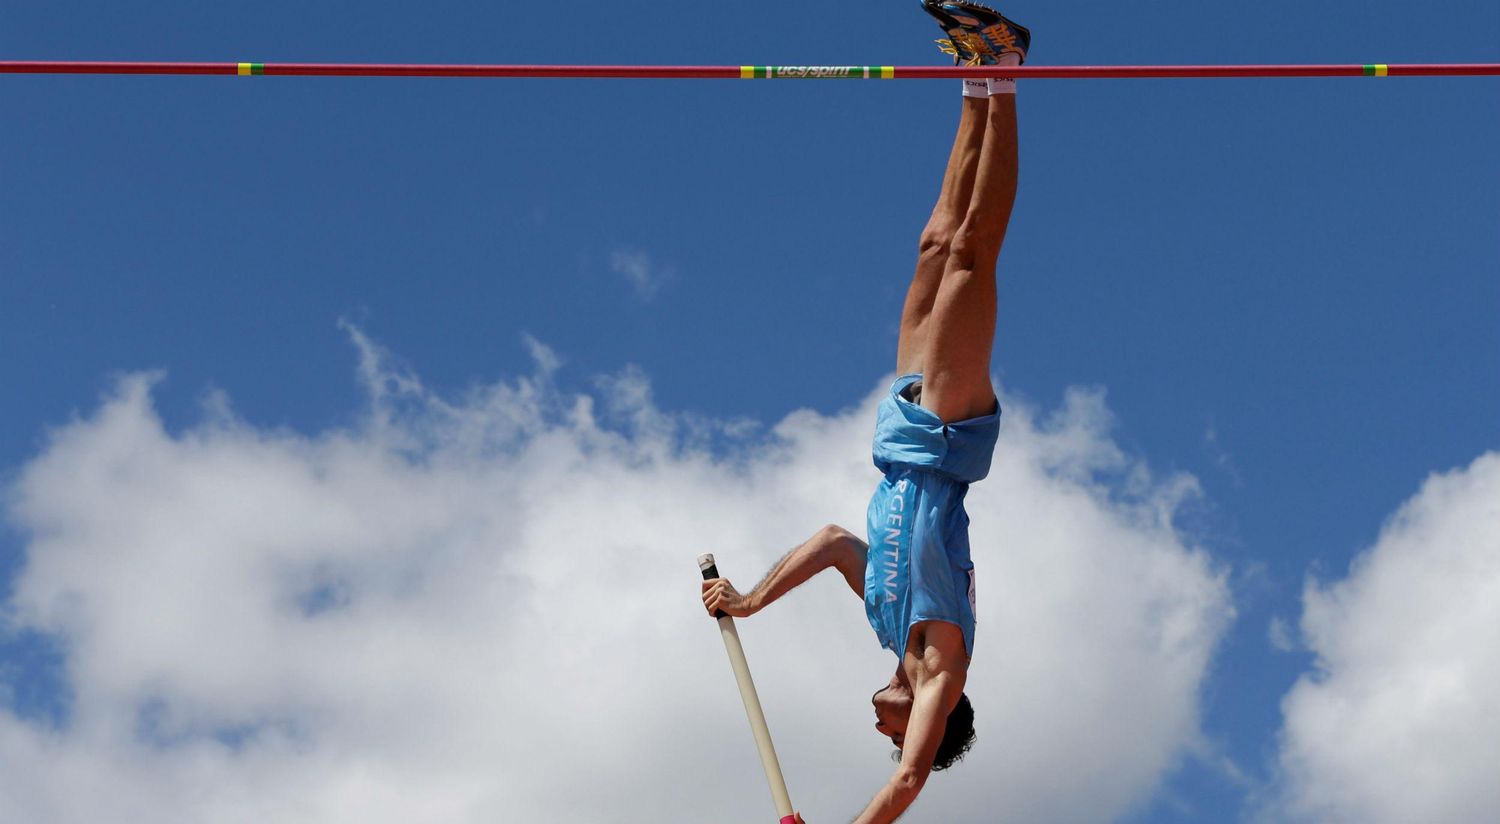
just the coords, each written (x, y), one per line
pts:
(832, 546)
(931, 703)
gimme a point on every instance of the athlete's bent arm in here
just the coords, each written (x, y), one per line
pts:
(832, 546)
(931, 703)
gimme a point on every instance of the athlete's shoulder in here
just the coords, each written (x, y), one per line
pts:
(935, 648)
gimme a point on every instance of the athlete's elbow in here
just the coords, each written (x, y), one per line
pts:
(840, 549)
(833, 535)
(906, 784)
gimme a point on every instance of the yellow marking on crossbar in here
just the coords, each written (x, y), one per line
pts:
(1382, 70)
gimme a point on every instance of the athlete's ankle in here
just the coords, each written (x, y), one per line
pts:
(1005, 85)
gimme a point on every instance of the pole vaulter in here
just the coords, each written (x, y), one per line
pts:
(937, 427)
(747, 72)
(935, 435)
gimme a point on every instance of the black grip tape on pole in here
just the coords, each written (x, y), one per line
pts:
(710, 572)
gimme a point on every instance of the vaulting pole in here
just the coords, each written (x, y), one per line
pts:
(744, 72)
(752, 703)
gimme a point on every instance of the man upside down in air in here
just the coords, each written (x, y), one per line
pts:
(934, 435)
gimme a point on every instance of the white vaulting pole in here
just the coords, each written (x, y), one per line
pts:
(752, 703)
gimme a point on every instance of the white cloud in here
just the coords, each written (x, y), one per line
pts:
(1280, 635)
(1399, 720)
(486, 609)
(640, 271)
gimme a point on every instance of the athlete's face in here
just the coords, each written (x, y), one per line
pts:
(892, 709)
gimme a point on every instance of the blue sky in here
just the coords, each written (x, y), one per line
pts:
(1287, 289)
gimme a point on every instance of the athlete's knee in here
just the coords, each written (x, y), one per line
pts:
(936, 240)
(972, 243)
(964, 251)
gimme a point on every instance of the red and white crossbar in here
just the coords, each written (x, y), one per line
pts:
(743, 72)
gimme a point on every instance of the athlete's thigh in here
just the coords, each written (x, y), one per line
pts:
(912, 346)
(956, 370)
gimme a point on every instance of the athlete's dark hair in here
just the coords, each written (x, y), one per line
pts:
(958, 736)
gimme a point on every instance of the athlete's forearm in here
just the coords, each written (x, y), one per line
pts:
(831, 547)
(891, 801)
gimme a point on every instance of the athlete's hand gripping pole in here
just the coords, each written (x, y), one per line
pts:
(752, 703)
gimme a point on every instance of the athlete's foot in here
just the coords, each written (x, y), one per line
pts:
(977, 34)
(957, 43)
